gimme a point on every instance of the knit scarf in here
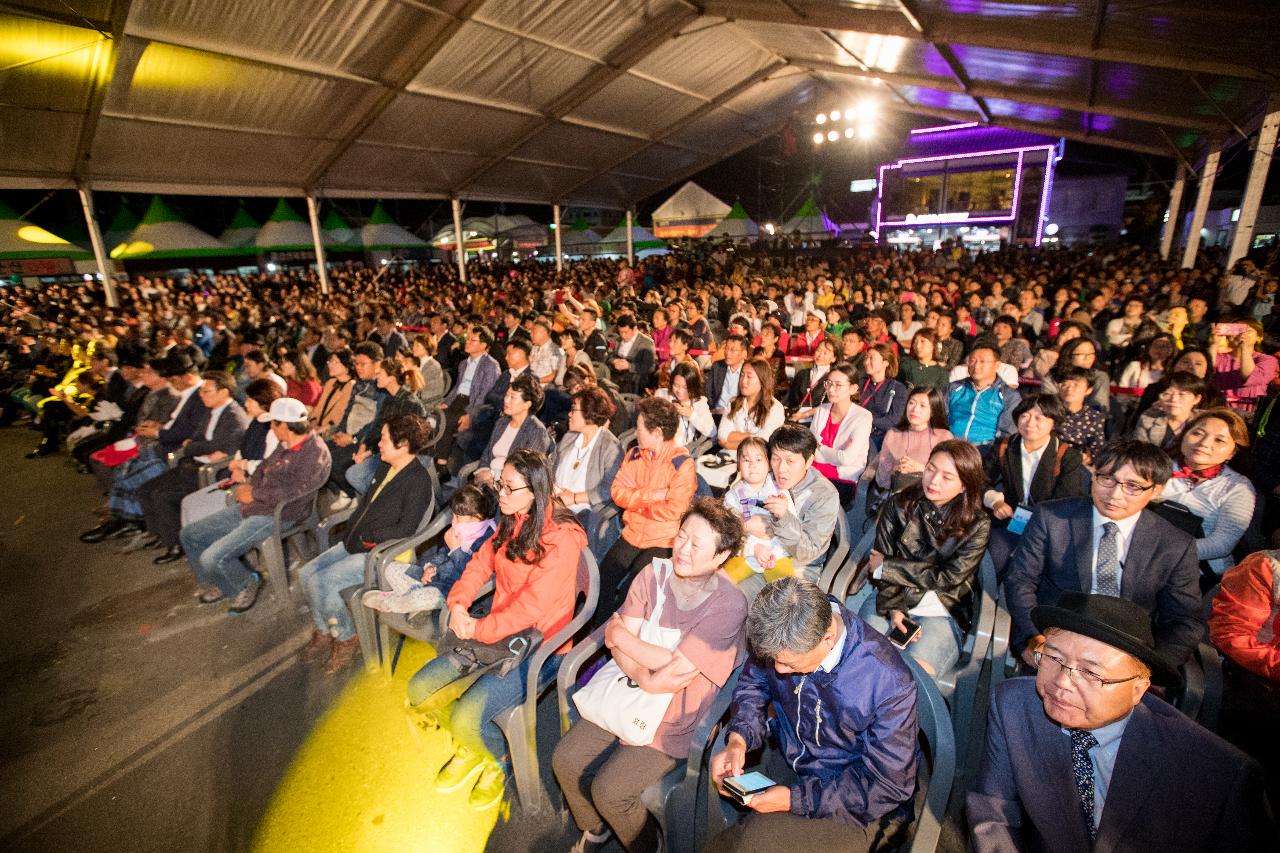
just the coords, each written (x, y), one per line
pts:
(1195, 478)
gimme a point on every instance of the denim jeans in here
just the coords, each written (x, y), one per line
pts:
(939, 642)
(360, 474)
(215, 544)
(323, 579)
(472, 724)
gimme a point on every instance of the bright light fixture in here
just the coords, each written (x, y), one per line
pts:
(848, 133)
(835, 115)
(36, 234)
(866, 131)
(818, 137)
(833, 135)
(1051, 228)
(821, 119)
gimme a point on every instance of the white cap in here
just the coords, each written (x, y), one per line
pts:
(286, 410)
(817, 312)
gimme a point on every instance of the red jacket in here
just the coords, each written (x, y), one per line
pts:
(1245, 623)
(526, 595)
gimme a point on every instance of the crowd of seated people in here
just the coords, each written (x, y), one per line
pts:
(1092, 422)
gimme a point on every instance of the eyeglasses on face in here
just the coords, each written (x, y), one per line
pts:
(1108, 482)
(505, 488)
(1079, 677)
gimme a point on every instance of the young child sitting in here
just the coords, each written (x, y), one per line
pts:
(414, 590)
(763, 557)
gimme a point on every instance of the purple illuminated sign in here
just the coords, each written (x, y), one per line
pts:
(943, 128)
(1022, 152)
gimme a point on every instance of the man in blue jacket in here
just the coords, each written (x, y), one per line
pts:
(845, 720)
(980, 408)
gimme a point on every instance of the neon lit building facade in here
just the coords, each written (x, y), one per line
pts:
(975, 184)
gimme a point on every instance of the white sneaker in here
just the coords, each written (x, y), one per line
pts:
(414, 601)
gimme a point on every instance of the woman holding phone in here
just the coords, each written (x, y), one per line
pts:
(930, 538)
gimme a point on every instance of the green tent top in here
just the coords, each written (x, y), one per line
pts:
(20, 240)
(580, 223)
(737, 212)
(382, 233)
(809, 208)
(124, 221)
(336, 232)
(241, 230)
(284, 231)
(164, 234)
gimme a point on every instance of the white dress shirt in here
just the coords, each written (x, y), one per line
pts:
(730, 389)
(574, 479)
(1030, 461)
(468, 373)
(183, 397)
(1124, 538)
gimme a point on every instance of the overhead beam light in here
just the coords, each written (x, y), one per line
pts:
(833, 135)
(866, 131)
(848, 133)
(821, 119)
(818, 138)
(835, 115)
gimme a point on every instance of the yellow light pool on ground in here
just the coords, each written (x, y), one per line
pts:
(363, 780)
(36, 234)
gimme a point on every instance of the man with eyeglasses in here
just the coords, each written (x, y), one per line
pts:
(1080, 759)
(1110, 544)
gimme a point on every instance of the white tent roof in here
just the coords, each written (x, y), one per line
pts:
(285, 230)
(578, 237)
(335, 231)
(594, 102)
(615, 242)
(20, 239)
(690, 202)
(241, 231)
(164, 234)
(382, 232)
(809, 220)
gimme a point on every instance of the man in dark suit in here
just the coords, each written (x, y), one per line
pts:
(477, 373)
(470, 442)
(222, 429)
(1108, 544)
(635, 359)
(1080, 760)
(722, 376)
(448, 350)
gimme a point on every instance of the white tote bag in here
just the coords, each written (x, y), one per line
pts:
(613, 701)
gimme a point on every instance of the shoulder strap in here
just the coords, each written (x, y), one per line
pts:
(1002, 447)
(1063, 447)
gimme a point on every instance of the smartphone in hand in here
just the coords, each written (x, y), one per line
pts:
(903, 638)
(741, 788)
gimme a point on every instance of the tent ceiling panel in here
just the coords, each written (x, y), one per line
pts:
(367, 38)
(48, 65)
(635, 105)
(718, 130)
(144, 150)
(617, 191)
(424, 97)
(702, 58)
(591, 27)
(661, 159)
(436, 123)
(536, 180)
(492, 65)
(386, 167)
(575, 145)
(179, 84)
(41, 142)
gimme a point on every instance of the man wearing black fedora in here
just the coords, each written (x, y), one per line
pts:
(1081, 759)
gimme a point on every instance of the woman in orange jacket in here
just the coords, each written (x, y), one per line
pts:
(653, 488)
(533, 560)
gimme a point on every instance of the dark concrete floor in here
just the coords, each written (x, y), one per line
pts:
(133, 719)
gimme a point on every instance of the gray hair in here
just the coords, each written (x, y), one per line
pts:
(789, 615)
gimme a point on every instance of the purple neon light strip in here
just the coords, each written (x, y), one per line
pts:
(942, 128)
(1017, 197)
(1017, 182)
(1044, 196)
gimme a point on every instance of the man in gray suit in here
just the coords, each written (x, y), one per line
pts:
(635, 359)
(1080, 760)
(1110, 544)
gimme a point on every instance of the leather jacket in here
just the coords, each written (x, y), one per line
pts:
(918, 559)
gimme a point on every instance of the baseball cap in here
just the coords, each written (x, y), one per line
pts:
(286, 410)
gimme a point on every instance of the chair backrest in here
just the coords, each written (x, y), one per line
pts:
(588, 587)
(837, 554)
(627, 440)
(938, 771)
(842, 585)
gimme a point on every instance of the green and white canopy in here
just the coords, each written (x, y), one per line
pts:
(809, 221)
(285, 231)
(336, 233)
(642, 240)
(164, 234)
(382, 233)
(20, 240)
(242, 230)
(578, 237)
(736, 225)
(121, 226)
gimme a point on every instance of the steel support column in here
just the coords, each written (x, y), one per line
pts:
(555, 226)
(1171, 216)
(459, 239)
(1207, 175)
(99, 253)
(1243, 238)
(313, 212)
(631, 249)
